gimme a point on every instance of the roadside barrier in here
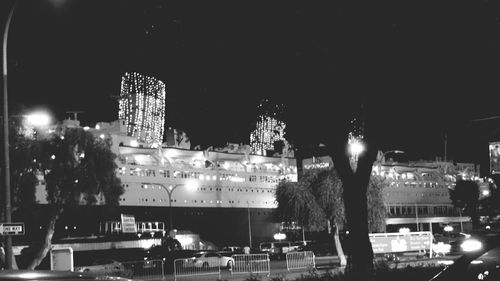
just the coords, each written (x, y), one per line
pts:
(300, 260)
(252, 263)
(144, 270)
(194, 267)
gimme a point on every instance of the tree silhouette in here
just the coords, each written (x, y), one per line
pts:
(316, 201)
(78, 169)
(465, 196)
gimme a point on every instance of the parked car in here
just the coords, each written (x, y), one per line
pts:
(165, 254)
(105, 267)
(210, 259)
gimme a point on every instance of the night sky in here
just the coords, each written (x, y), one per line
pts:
(423, 68)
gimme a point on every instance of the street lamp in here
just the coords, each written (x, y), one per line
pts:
(279, 236)
(191, 185)
(355, 147)
(170, 189)
(6, 165)
(37, 119)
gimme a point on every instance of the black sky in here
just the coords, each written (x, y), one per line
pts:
(426, 67)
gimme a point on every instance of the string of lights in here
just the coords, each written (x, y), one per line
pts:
(142, 105)
(268, 128)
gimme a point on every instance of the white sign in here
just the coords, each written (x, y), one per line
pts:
(400, 242)
(128, 224)
(14, 228)
(61, 259)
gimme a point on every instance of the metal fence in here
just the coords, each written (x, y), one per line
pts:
(144, 270)
(253, 263)
(300, 260)
(193, 267)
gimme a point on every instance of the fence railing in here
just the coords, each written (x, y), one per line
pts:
(145, 270)
(193, 267)
(252, 263)
(300, 260)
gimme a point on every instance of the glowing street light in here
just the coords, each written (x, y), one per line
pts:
(404, 230)
(279, 236)
(355, 147)
(37, 119)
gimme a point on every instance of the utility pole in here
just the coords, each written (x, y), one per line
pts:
(6, 159)
(249, 225)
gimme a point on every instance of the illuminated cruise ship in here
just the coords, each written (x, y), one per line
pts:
(225, 195)
(416, 194)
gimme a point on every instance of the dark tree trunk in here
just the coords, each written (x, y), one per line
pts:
(355, 186)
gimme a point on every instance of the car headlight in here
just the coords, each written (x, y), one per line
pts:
(471, 245)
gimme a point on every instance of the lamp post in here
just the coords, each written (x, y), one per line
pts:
(170, 189)
(249, 225)
(6, 160)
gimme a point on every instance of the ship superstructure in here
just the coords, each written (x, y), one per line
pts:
(417, 193)
(230, 177)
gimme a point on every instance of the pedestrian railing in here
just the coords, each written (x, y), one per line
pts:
(194, 267)
(300, 260)
(144, 270)
(251, 263)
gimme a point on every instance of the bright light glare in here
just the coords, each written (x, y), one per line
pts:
(356, 147)
(191, 186)
(279, 236)
(471, 245)
(404, 230)
(38, 119)
(441, 248)
(185, 241)
(446, 262)
(448, 228)
(485, 192)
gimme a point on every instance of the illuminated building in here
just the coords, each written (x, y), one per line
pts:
(416, 194)
(142, 105)
(269, 128)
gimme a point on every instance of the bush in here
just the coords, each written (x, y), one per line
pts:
(253, 277)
